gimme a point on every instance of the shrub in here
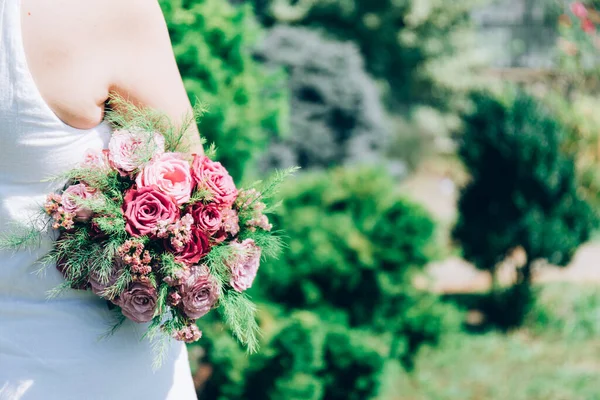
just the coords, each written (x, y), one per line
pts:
(423, 49)
(353, 244)
(354, 247)
(247, 105)
(523, 191)
(340, 301)
(227, 361)
(337, 114)
(578, 113)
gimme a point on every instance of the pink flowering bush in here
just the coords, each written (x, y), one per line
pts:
(579, 41)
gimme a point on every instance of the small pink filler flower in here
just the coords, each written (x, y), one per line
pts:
(189, 334)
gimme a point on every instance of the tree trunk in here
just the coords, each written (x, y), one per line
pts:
(524, 274)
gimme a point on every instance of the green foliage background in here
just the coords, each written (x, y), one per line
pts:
(340, 306)
(420, 48)
(247, 105)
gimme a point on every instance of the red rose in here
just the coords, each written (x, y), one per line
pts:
(207, 217)
(212, 176)
(144, 208)
(196, 248)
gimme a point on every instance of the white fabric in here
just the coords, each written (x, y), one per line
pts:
(51, 349)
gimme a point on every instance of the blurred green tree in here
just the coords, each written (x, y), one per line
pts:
(247, 105)
(338, 116)
(423, 49)
(340, 302)
(523, 191)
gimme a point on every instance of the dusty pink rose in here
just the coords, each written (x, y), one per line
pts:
(213, 177)
(170, 173)
(207, 217)
(95, 232)
(189, 334)
(178, 277)
(138, 301)
(579, 10)
(61, 266)
(99, 285)
(199, 293)
(71, 197)
(129, 150)
(192, 251)
(244, 265)
(144, 208)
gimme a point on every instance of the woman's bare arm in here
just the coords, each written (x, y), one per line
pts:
(145, 71)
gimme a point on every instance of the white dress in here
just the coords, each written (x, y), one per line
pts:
(51, 349)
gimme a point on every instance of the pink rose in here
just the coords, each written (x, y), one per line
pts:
(199, 293)
(138, 301)
(579, 10)
(72, 197)
(170, 173)
(192, 251)
(207, 217)
(144, 208)
(212, 176)
(244, 264)
(130, 150)
(96, 159)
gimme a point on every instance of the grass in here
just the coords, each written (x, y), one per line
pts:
(555, 356)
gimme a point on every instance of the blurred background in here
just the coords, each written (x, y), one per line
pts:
(443, 233)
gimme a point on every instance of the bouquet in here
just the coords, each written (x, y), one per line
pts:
(162, 235)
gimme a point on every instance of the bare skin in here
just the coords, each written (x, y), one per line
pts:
(79, 52)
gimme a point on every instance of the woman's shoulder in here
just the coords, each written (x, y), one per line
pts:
(80, 51)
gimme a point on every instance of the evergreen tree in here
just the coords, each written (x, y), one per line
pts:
(523, 191)
(338, 117)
